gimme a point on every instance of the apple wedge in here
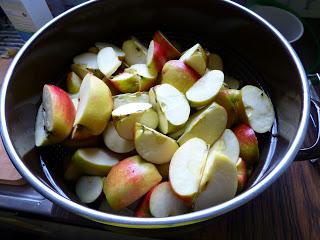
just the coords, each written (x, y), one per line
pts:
(164, 203)
(164, 170)
(257, 109)
(88, 59)
(134, 51)
(196, 58)
(126, 116)
(123, 99)
(118, 51)
(143, 210)
(170, 50)
(205, 89)
(249, 148)
(230, 99)
(231, 82)
(227, 145)
(218, 183)
(73, 83)
(147, 77)
(116, 143)
(186, 167)
(172, 107)
(95, 105)
(126, 82)
(80, 69)
(242, 172)
(179, 75)
(156, 57)
(94, 161)
(208, 125)
(129, 180)
(153, 146)
(55, 116)
(215, 62)
(108, 61)
(89, 188)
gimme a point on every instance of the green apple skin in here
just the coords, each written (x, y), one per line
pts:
(73, 83)
(249, 148)
(129, 180)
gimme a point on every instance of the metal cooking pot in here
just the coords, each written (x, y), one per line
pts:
(252, 50)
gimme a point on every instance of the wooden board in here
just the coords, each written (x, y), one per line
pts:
(8, 173)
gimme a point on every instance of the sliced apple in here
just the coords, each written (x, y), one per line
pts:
(147, 77)
(258, 109)
(95, 105)
(126, 116)
(228, 145)
(175, 135)
(164, 170)
(118, 51)
(218, 183)
(205, 89)
(156, 57)
(215, 62)
(242, 172)
(80, 132)
(164, 203)
(55, 116)
(172, 107)
(94, 161)
(208, 125)
(249, 148)
(122, 99)
(143, 209)
(116, 143)
(126, 82)
(186, 168)
(89, 188)
(88, 59)
(230, 99)
(129, 180)
(153, 146)
(231, 82)
(80, 69)
(196, 58)
(108, 61)
(73, 83)
(170, 50)
(179, 75)
(134, 51)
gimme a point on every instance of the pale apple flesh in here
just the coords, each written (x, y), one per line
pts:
(88, 59)
(116, 143)
(186, 168)
(196, 58)
(129, 180)
(164, 202)
(118, 51)
(123, 99)
(126, 82)
(108, 61)
(147, 76)
(170, 50)
(89, 188)
(153, 146)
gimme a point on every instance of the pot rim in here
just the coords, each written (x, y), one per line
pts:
(185, 219)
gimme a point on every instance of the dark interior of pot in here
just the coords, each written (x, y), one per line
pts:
(250, 52)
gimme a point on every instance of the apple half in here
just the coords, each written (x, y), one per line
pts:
(170, 50)
(153, 146)
(123, 99)
(95, 105)
(164, 202)
(208, 125)
(196, 58)
(205, 89)
(129, 180)
(108, 61)
(134, 51)
(126, 116)
(172, 107)
(186, 168)
(179, 75)
(55, 116)
(147, 77)
(116, 143)
(89, 188)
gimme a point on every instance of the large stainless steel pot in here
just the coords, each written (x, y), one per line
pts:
(252, 50)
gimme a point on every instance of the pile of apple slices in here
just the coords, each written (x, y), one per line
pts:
(156, 132)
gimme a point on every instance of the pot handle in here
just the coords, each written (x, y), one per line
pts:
(313, 152)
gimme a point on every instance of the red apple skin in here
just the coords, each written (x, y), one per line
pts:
(129, 180)
(158, 58)
(170, 51)
(64, 112)
(143, 210)
(248, 142)
(242, 174)
(179, 75)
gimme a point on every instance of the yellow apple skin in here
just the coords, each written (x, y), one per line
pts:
(73, 83)
(95, 112)
(129, 180)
